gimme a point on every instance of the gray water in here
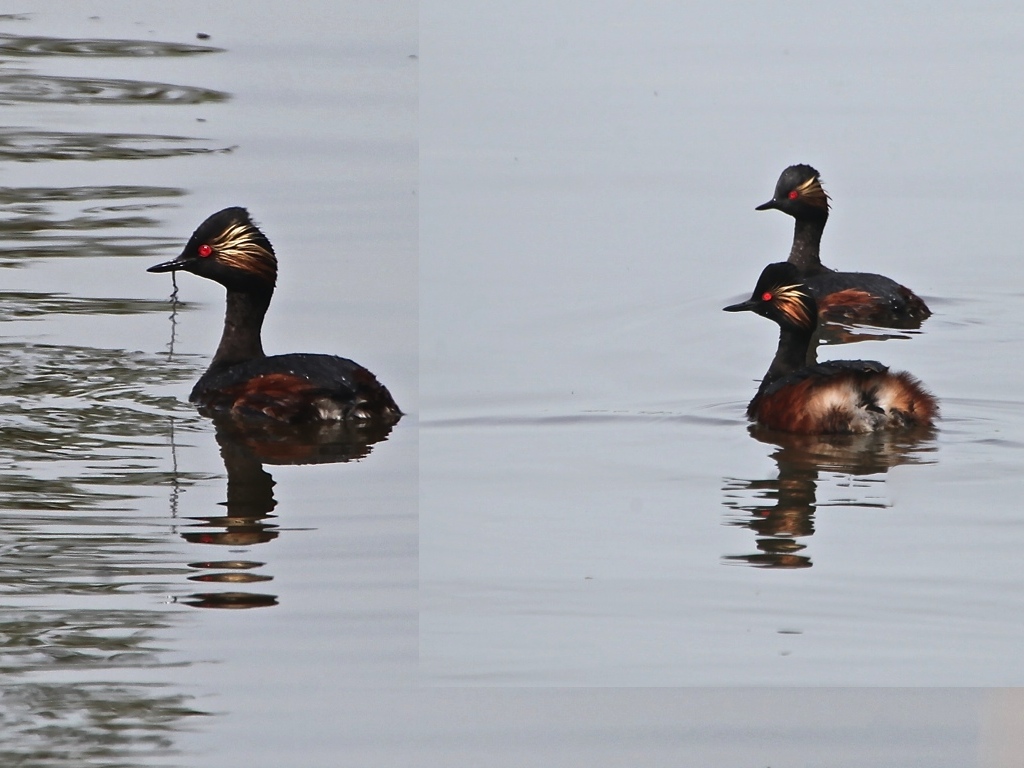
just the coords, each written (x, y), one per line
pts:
(594, 510)
(591, 561)
(608, 495)
(166, 586)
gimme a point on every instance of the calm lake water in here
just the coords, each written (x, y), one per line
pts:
(585, 557)
(593, 508)
(175, 596)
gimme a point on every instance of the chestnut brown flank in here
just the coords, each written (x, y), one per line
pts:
(851, 297)
(816, 406)
(280, 396)
(786, 409)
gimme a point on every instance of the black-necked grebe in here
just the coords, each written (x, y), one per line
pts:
(841, 396)
(859, 297)
(229, 249)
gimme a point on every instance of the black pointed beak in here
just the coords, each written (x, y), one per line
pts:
(181, 262)
(767, 206)
(744, 306)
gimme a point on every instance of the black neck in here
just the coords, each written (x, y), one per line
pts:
(805, 253)
(243, 322)
(795, 351)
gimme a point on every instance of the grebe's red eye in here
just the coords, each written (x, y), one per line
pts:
(767, 296)
(205, 250)
(793, 195)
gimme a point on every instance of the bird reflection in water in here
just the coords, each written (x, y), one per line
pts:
(781, 510)
(245, 448)
(838, 333)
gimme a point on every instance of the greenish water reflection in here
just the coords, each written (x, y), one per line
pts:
(33, 89)
(19, 305)
(34, 45)
(87, 542)
(83, 450)
(80, 222)
(25, 145)
(90, 724)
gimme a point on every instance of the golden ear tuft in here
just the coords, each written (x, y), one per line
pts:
(791, 300)
(241, 246)
(812, 191)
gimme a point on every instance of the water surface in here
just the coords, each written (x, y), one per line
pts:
(594, 509)
(156, 566)
(595, 512)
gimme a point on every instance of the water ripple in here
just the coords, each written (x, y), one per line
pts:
(25, 145)
(35, 222)
(21, 305)
(583, 418)
(32, 46)
(33, 196)
(88, 247)
(37, 89)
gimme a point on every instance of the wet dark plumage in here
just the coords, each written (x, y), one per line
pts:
(242, 380)
(842, 297)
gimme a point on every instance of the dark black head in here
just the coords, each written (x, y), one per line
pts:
(781, 295)
(799, 193)
(229, 249)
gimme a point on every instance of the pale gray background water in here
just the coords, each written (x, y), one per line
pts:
(587, 179)
(587, 478)
(591, 501)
